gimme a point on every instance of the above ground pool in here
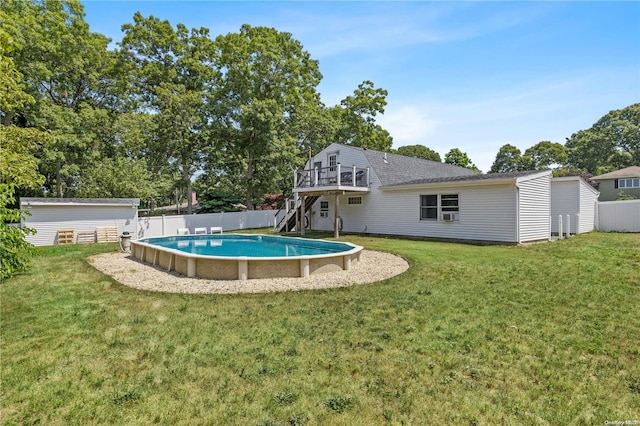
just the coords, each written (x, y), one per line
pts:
(245, 256)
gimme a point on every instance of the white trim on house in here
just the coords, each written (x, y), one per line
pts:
(469, 183)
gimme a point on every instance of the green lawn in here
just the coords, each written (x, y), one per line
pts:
(540, 334)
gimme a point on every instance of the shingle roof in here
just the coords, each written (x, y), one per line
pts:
(628, 172)
(393, 169)
(469, 178)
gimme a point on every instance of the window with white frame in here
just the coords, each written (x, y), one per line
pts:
(324, 209)
(354, 200)
(628, 183)
(428, 207)
(333, 161)
(439, 207)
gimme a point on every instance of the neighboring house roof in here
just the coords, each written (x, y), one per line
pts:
(81, 201)
(393, 169)
(628, 172)
(490, 177)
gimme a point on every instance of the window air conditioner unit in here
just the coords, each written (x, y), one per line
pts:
(449, 217)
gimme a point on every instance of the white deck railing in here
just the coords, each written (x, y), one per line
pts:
(337, 175)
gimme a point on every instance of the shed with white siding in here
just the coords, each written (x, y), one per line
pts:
(83, 215)
(573, 196)
(409, 196)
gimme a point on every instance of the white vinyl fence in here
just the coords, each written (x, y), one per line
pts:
(157, 226)
(619, 216)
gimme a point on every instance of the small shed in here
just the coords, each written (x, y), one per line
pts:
(573, 196)
(79, 220)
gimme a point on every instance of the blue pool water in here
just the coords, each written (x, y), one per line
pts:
(248, 245)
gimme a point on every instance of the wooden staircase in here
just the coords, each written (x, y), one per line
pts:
(288, 222)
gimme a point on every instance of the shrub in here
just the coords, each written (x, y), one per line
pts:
(15, 251)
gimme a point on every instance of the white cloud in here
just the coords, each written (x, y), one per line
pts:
(549, 108)
(376, 27)
(409, 124)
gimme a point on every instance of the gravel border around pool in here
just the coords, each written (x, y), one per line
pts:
(373, 266)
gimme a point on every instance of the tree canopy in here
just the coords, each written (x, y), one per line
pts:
(510, 159)
(18, 164)
(545, 154)
(458, 158)
(419, 151)
(172, 75)
(613, 142)
(265, 77)
(356, 118)
(168, 104)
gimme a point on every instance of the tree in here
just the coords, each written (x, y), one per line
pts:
(419, 151)
(589, 150)
(12, 94)
(82, 140)
(510, 159)
(69, 73)
(18, 165)
(119, 177)
(213, 199)
(314, 127)
(356, 118)
(172, 75)
(612, 142)
(459, 158)
(544, 154)
(266, 80)
(60, 59)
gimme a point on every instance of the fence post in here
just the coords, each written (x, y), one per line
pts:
(568, 226)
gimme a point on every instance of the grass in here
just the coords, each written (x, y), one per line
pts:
(540, 334)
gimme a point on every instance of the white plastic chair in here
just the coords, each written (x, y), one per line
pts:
(216, 229)
(200, 231)
(183, 231)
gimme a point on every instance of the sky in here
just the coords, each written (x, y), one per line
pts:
(468, 75)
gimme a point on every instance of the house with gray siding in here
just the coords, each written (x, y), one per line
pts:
(359, 190)
(625, 181)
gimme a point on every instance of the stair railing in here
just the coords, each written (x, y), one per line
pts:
(284, 213)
